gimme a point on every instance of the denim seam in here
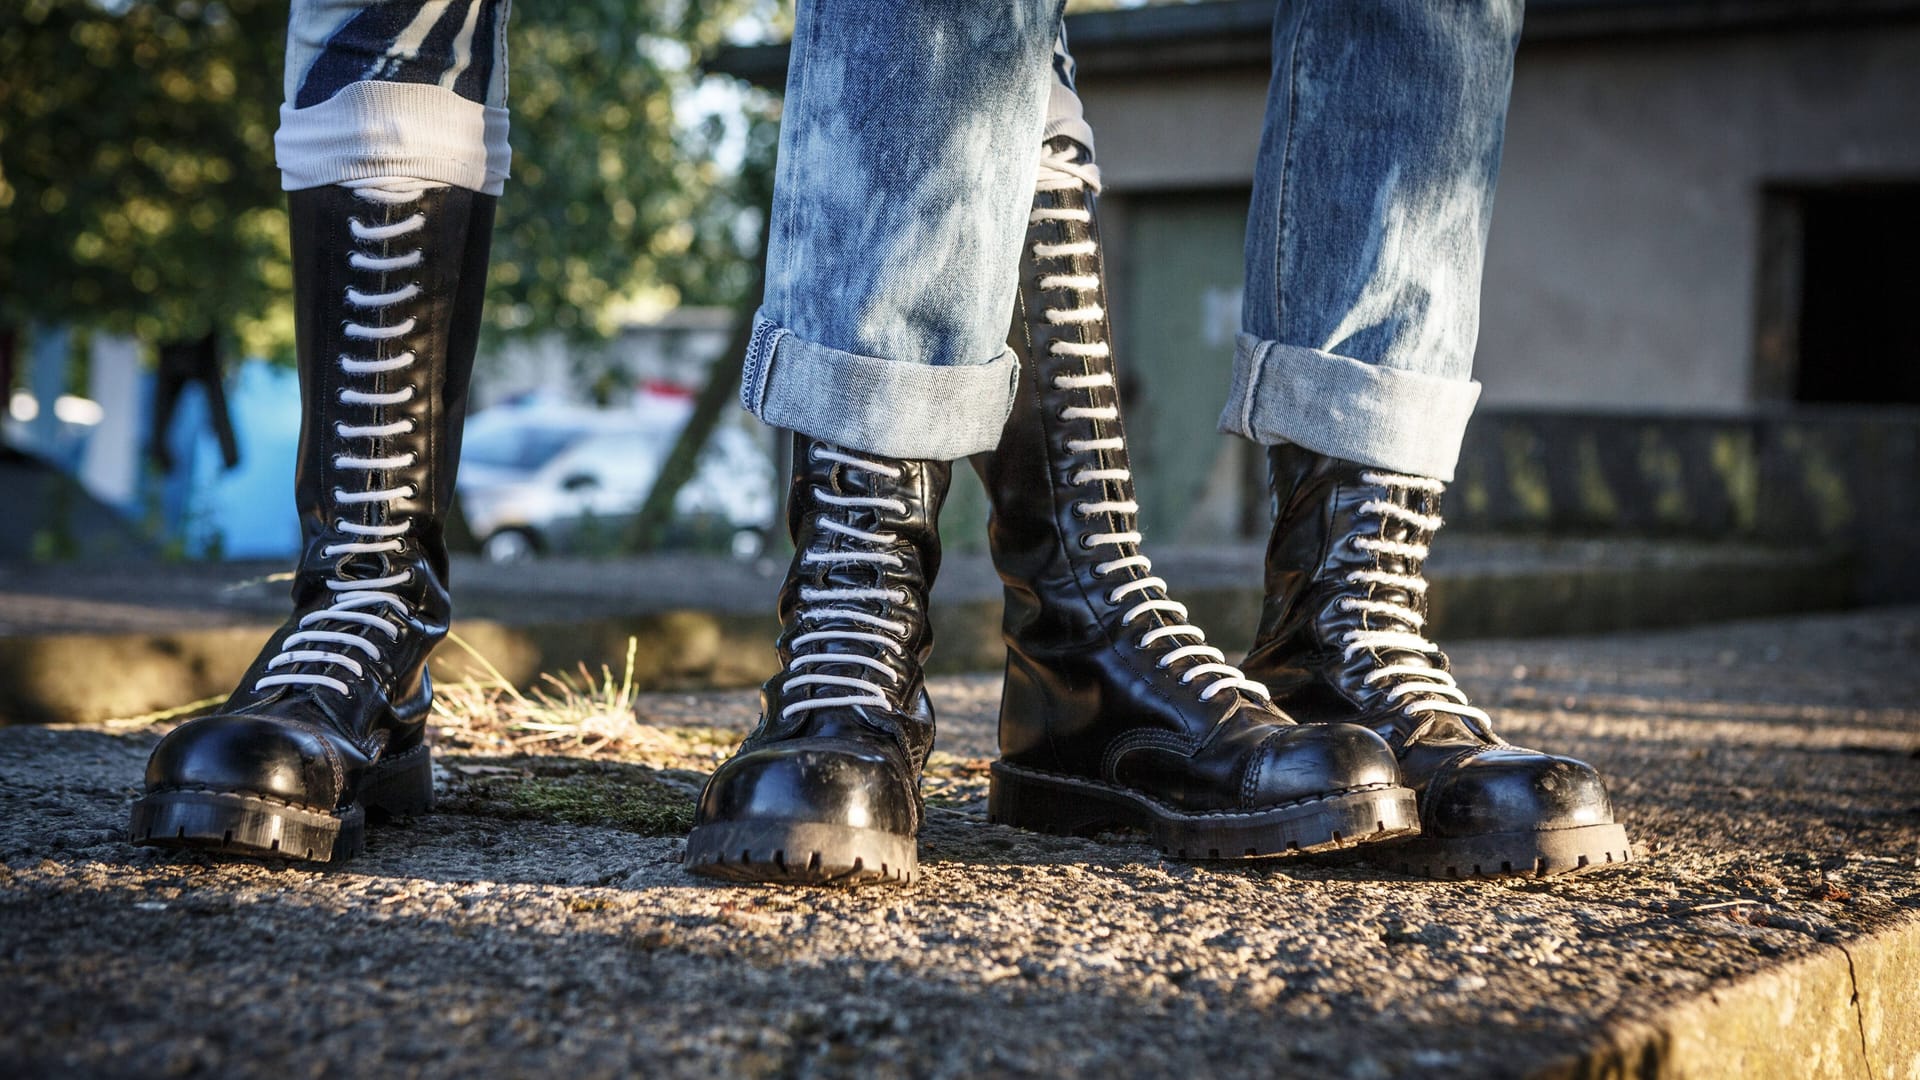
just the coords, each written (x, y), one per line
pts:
(780, 277)
(1254, 367)
(1286, 160)
(757, 365)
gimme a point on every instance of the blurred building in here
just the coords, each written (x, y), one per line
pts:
(1698, 279)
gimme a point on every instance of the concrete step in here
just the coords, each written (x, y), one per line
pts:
(82, 642)
(539, 924)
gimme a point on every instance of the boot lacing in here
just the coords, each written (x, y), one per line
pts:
(835, 604)
(1418, 673)
(1117, 500)
(355, 599)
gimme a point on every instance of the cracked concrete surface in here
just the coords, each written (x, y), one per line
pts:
(540, 923)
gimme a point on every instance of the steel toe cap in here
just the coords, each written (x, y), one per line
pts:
(1512, 789)
(821, 781)
(1310, 760)
(253, 755)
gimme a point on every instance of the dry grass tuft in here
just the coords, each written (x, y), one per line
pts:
(581, 714)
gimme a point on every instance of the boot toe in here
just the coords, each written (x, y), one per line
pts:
(1510, 789)
(1311, 760)
(823, 782)
(250, 755)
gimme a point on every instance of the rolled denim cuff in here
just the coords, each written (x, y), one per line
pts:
(866, 403)
(1405, 421)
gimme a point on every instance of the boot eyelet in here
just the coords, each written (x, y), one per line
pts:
(1084, 545)
(1079, 510)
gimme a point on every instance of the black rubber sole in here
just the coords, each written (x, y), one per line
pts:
(1544, 853)
(1055, 803)
(801, 853)
(258, 826)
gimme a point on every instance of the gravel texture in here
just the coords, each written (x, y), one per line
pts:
(540, 923)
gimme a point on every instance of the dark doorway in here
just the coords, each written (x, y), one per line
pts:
(1858, 333)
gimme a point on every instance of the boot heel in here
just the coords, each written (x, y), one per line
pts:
(1027, 800)
(401, 786)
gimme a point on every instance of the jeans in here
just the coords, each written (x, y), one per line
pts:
(908, 157)
(1371, 199)
(909, 146)
(906, 164)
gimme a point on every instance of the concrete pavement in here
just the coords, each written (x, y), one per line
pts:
(540, 924)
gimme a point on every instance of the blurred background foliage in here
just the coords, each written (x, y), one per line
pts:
(138, 191)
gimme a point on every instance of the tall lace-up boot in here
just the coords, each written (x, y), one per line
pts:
(329, 723)
(1341, 640)
(826, 790)
(1116, 711)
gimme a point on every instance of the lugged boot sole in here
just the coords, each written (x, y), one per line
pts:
(1055, 803)
(260, 826)
(1532, 853)
(801, 853)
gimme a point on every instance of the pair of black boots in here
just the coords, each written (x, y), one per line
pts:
(1344, 728)
(1116, 713)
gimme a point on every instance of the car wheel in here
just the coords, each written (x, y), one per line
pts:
(509, 546)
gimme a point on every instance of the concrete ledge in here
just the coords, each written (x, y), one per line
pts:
(1847, 1010)
(539, 923)
(554, 617)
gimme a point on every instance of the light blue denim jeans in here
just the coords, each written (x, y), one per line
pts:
(1371, 201)
(909, 144)
(907, 158)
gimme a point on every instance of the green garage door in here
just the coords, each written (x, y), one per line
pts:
(1177, 296)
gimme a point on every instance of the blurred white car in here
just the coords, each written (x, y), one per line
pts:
(539, 477)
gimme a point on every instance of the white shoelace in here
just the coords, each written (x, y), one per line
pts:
(1418, 674)
(1061, 168)
(356, 600)
(835, 604)
(1147, 593)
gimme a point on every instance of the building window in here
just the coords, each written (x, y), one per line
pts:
(1839, 280)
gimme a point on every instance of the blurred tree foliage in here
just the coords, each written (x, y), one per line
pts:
(138, 191)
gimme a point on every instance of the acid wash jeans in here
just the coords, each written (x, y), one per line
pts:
(907, 164)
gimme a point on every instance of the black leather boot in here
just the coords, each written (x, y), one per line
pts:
(329, 723)
(826, 790)
(1116, 712)
(1341, 640)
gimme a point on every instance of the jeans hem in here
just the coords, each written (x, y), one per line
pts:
(874, 405)
(1405, 421)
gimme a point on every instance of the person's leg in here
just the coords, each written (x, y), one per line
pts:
(392, 147)
(906, 162)
(1371, 204)
(1116, 712)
